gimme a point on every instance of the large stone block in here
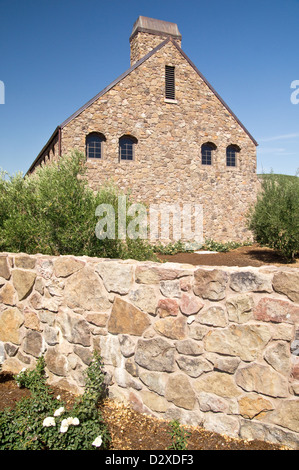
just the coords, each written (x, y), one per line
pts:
(33, 343)
(179, 391)
(74, 328)
(4, 267)
(65, 266)
(11, 320)
(84, 289)
(248, 281)
(244, 341)
(262, 379)
(145, 298)
(125, 318)
(117, 277)
(218, 383)
(239, 308)
(287, 283)
(210, 284)
(275, 310)
(194, 366)
(190, 305)
(174, 328)
(23, 282)
(286, 414)
(155, 354)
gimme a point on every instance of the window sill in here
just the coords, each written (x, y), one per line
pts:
(166, 100)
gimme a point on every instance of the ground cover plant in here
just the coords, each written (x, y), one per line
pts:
(43, 422)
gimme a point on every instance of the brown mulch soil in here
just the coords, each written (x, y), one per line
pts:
(243, 256)
(131, 430)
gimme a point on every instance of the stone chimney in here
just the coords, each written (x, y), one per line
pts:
(148, 33)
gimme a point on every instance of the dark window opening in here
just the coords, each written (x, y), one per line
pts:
(94, 145)
(206, 153)
(169, 83)
(231, 155)
(126, 147)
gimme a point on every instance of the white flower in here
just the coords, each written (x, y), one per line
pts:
(64, 425)
(50, 421)
(58, 397)
(59, 411)
(75, 422)
(97, 442)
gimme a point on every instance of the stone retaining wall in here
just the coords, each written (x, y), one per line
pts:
(211, 347)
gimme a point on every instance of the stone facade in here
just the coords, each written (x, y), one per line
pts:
(167, 164)
(217, 348)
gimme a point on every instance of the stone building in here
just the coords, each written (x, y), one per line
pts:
(161, 131)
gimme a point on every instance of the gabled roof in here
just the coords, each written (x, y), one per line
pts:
(125, 74)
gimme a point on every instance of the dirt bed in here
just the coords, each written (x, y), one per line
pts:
(253, 255)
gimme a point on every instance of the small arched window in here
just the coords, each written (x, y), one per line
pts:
(207, 153)
(127, 147)
(231, 155)
(94, 145)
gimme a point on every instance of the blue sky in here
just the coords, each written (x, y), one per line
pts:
(55, 55)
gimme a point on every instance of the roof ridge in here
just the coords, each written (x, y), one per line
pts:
(115, 82)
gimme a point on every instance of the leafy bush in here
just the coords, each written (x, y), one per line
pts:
(42, 422)
(53, 211)
(274, 220)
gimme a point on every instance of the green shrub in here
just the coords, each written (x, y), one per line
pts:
(42, 422)
(179, 436)
(274, 220)
(53, 211)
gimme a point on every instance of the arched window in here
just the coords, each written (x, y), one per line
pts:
(231, 155)
(126, 147)
(207, 153)
(94, 145)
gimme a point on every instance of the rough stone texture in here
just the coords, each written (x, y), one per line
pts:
(8, 295)
(219, 383)
(210, 284)
(245, 341)
(212, 356)
(174, 328)
(4, 267)
(144, 297)
(287, 283)
(276, 310)
(11, 320)
(127, 319)
(239, 308)
(287, 415)
(262, 379)
(179, 391)
(214, 316)
(167, 307)
(64, 266)
(23, 282)
(33, 343)
(190, 305)
(85, 290)
(253, 405)
(116, 277)
(247, 281)
(155, 354)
